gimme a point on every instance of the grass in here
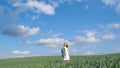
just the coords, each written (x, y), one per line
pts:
(100, 61)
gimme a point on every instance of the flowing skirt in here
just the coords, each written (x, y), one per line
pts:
(67, 57)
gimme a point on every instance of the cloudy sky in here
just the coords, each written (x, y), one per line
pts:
(40, 27)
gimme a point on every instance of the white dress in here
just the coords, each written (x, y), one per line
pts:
(67, 57)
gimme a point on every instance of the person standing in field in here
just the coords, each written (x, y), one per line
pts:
(65, 51)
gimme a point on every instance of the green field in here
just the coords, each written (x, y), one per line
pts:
(100, 61)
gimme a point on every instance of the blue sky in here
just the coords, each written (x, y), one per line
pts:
(40, 27)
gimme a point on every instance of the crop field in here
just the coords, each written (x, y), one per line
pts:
(99, 61)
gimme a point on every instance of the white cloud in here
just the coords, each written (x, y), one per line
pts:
(109, 36)
(89, 38)
(21, 56)
(57, 52)
(78, 52)
(114, 3)
(89, 53)
(89, 47)
(118, 49)
(19, 30)
(52, 42)
(74, 51)
(109, 2)
(69, 1)
(52, 34)
(17, 52)
(118, 8)
(38, 6)
(116, 25)
(101, 26)
(64, 1)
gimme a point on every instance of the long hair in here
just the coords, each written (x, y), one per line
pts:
(65, 43)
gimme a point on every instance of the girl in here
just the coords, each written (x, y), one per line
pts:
(65, 52)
